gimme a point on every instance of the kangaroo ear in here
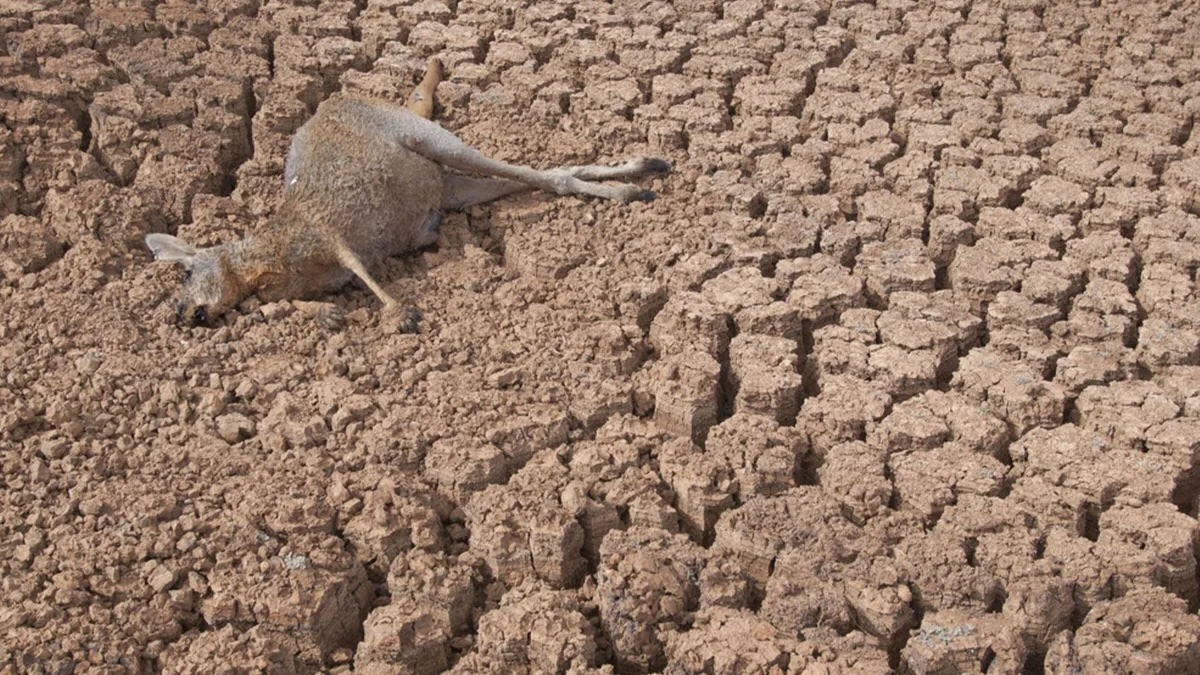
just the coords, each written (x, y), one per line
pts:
(170, 249)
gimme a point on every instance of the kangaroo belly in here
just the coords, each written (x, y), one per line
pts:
(360, 183)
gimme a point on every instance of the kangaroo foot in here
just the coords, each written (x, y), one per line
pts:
(397, 318)
(327, 314)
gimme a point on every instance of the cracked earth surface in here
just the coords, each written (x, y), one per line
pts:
(900, 373)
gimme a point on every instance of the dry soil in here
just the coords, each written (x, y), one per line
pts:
(900, 373)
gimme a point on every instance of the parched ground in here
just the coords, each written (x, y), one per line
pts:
(900, 373)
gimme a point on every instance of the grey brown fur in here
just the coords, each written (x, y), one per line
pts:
(365, 178)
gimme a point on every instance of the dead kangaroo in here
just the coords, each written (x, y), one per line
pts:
(364, 180)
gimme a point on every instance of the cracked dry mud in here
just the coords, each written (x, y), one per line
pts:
(901, 372)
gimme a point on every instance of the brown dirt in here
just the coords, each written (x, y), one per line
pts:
(900, 373)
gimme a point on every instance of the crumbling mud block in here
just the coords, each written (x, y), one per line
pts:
(1166, 293)
(461, 467)
(690, 321)
(759, 530)
(593, 406)
(687, 394)
(764, 457)
(1168, 237)
(1094, 575)
(998, 534)
(1039, 607)
(940, 323)
(639, 302)
(1053, 282)
(1052, 506)
(934, 419)
(1014, 309)
(964, 641)
(1124, 411)
(1176, 445)
(529, 430)
(1163, 533)
(523, 530)
(28, 246)
(936, 567)
(1013, 391)
(1103, 256)
(704, 486)
(840, 350)
(608, 348)
(1025, 223)
(115, 218)
(982, 271)
(431, 601)
(829, 589)
(1117, 208)
(646, 586)
(1094, 365)
(725, 583)
(928, 481)
(295, 579)
(196, 651)
(534, 630)
(725, 642)
(1104, 472)
(739, 288)
(613, 485)
(1104, 311)
(820, 288)
(541, 255)
(1163, 344)
(775, 319)
(946, 234)
(847, 409)
(901, 372)
(856, 474)
(316, 596)
(1148, 630)
(1030, 348)
(1182, 385)
(391, 519)
(891, 266)
(765, 376)
(885, 216)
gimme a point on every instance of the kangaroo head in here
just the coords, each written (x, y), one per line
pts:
(210, 285)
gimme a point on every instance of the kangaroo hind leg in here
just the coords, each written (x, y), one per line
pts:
(435, 143)
(459, 192)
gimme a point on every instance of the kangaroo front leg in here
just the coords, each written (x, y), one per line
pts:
(350, 261)
(404, 318)
(433, 142)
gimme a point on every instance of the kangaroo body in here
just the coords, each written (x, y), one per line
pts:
(397, 194)
(365, 179)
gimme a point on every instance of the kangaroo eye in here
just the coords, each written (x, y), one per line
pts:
(200, 316)
(187, 275)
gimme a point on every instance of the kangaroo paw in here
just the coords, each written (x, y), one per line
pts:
(400, 319)
(327, 314)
